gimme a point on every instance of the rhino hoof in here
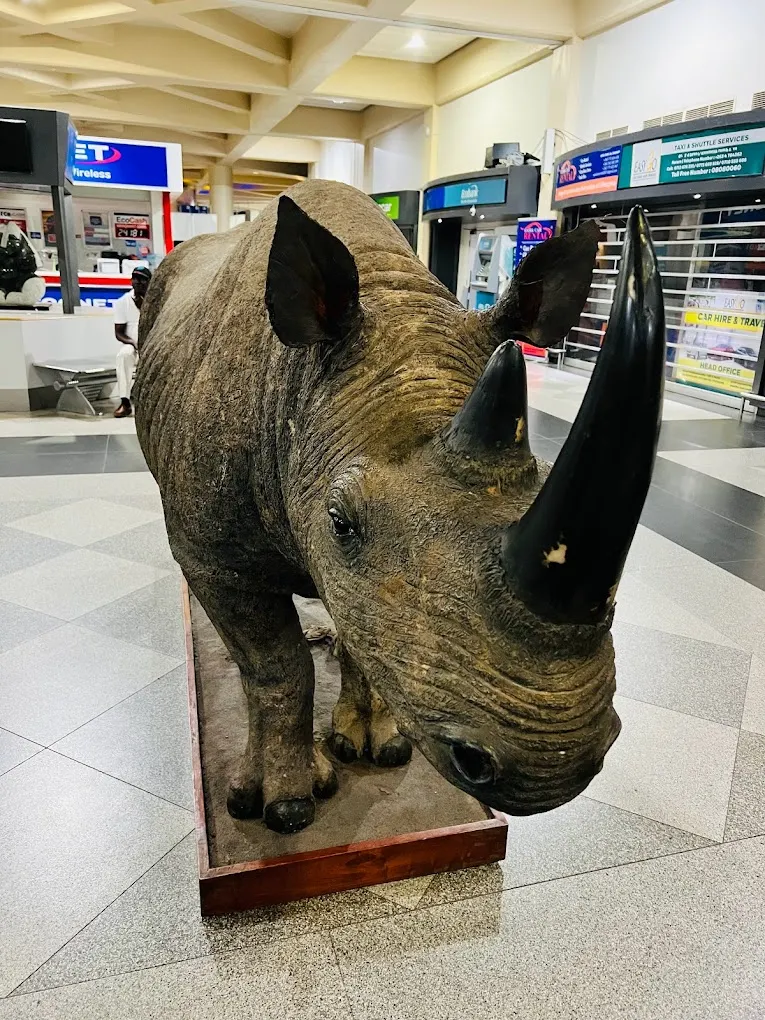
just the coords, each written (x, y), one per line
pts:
(343, 749)
(286, 816)
(395, 752)
(245, 802)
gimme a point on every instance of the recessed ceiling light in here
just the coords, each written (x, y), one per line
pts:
(594, 205)
(697, 195)
(416, 42)
(758, 199)
(441, 221)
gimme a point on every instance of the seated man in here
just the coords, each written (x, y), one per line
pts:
(126, 312)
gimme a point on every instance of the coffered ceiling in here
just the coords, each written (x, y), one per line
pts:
(232, 81)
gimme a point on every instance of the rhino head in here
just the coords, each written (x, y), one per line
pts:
(472, 584)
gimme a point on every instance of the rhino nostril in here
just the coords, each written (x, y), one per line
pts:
(473, 763)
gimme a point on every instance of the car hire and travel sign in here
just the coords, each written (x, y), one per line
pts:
(123, 163)
(703, 156)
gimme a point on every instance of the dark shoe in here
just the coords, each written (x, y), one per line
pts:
(123, 411)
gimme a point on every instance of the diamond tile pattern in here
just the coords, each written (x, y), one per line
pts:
(642, 898)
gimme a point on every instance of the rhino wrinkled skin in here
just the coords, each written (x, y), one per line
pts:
(323, 417)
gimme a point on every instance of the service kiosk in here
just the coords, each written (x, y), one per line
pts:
(40, 155)
(702, 185)
(473, 228)
(403, 207)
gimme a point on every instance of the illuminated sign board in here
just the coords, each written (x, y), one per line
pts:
(121, 163)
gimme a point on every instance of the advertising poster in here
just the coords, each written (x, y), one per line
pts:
(703, 156)
(96, 229)
(119, 162)
(725, 327)
(589, 174)
(531, 232)
(17, 216)
(132, 226)
(49, 228)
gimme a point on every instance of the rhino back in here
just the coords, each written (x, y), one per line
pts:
(217, 395)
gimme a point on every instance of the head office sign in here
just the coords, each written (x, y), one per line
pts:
(122, 163)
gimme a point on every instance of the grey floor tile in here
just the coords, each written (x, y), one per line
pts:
(73, 839)
(143, 740)
(297, 979)
(674, 768)
(13, 510)
(662, 940)
(14, 750)
(746, 811)
(18, 624)
(76, 583)
(54, 683)
(150, 617)
(681, 673)
(754, 704)
(582, 836)
(157, 922)
(84, 521)
(18, 550)
(145, 544)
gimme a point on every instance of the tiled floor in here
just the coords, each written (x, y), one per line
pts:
(645, 898)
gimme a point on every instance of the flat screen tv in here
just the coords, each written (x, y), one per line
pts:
(15, 147)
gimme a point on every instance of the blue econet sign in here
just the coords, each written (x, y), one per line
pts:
(121, 163)
(463, 194)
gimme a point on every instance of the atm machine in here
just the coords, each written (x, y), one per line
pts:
(473, 222)
(491, 268)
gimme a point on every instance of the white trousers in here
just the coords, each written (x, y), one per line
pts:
(127, 358)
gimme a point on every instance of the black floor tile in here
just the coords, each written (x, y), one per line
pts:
(738, 505)
(18, 465)
(59, 445)
(125, 462)
(715, 538)
(752, 571)
(711, 435)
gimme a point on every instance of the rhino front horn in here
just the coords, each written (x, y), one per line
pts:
(493, 421)
(565, 556)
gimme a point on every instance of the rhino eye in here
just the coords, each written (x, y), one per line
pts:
(341, 526)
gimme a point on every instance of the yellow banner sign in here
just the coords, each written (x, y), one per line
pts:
(726, 376)
(723, 320)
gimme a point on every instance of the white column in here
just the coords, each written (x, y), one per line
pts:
(563, 109)
(157, 223)
(222, 194)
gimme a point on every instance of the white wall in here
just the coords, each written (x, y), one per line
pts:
(397, 158)
(512, 109)
(340, 161)
(686, 54)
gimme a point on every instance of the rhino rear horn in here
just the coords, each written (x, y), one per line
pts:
(312, 283)
(493, 421)
(565, 556)
(548, 291)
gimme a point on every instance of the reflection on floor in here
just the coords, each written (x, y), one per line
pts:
(643, 898)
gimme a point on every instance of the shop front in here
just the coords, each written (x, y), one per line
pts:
(703, 187)
(403, 207)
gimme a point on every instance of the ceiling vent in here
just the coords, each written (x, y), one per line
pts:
(697, 113)
(620, 131)
(652, 122)
(601, 135)
(720, 109)
(758, 101)
(672, 118)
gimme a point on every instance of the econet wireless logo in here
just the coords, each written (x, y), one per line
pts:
(95, 153)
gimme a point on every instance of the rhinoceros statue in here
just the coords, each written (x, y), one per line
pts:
(324, 418)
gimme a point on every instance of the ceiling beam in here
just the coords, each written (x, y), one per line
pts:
(238, 33)
(383, 82)
(593, 16)
(316, 122)
(377, 119)
(480, 63)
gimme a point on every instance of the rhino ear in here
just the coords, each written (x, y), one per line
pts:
(312, 284)
(546, 296)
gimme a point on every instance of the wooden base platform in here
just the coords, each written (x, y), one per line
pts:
(382, 825)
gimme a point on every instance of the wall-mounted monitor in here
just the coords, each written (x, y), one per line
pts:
(15, 147)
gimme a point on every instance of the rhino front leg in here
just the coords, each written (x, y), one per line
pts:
(263, 635)
(361, 722)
